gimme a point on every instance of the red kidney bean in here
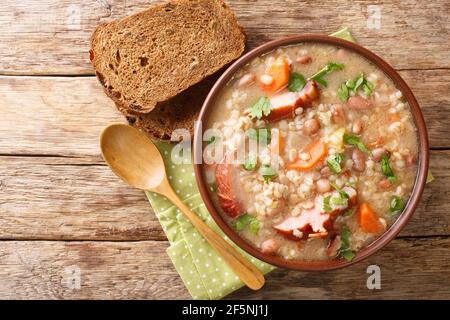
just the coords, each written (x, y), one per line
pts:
(359, 160)
(270, 246)
(325, 172)
(384, 184)
(323, 185)
(304, 59)
(359, 103)
(311, 126)
(410, 160)
(377, 153)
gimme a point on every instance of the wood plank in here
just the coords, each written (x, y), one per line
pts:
(65, 198)
(410, 269)
(64, 115)
(52, 36)
(118, 270)
(80, 199)
(142, 270)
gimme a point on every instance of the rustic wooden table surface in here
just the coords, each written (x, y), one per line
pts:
(64, 214)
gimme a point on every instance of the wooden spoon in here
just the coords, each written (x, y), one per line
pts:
(135, 159)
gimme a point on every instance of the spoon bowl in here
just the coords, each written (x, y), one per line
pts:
(132, 156)
(136, 160)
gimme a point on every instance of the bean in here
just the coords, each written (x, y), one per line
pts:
(325, 172)
(377, 153)
(384, 184)
(270, 246)
(304, 59)
(357, 127)
(410, 160)
(359, 103)
(246, 79)
(323, 185)
(337, 113)
(359, 160)
(311, 127)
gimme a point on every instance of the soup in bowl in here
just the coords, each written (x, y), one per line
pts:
(314, 152)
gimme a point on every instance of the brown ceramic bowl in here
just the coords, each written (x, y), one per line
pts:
(419, 185)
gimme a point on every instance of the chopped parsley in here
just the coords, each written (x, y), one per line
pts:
(326, 204)
(334, 162)
(250, 162)
(296, 82)
(348, 213)
(386, 168)
(360, 83)
(341, 201)
(343, 92)
(396, 205)
(329, 67)
(249, 221)
(344, 250)
(353, 140)
(267, 173)
(261, 108)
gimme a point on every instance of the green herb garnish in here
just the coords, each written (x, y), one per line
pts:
(341, 201)
(260, 108)
(334, 162)
(326, 204)
(396, 205)
(343, 92)
(358, 82)
(329, 67)
(250, 162)
(267, 173)
(348, 255)
(247, 220)
(348, 213)
(296, 82)
(344, 250)
(348, 86)
(355, 141)
(386, 168)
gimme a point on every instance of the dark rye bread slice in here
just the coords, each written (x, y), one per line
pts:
(154, 55)
(179, 112)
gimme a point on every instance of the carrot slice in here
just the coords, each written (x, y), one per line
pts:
(395, 117)
(276, 142)
(368, 219)
(316, 150)
(279, 71)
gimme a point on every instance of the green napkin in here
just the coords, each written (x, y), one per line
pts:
(203, 272)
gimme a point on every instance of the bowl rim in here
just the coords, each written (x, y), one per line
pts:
(423, 154)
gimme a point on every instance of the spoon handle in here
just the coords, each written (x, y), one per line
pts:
(244, 269)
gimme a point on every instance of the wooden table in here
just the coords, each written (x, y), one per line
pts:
(63, 214)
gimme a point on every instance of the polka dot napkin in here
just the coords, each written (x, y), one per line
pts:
(203, 272)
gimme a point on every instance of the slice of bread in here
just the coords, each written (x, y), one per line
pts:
(152, 56)
(179, 112)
